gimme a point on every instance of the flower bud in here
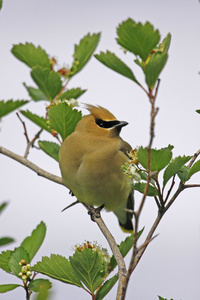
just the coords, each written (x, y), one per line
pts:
(24, 269)
(29, 273)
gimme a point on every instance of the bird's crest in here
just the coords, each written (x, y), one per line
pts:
(100, 112)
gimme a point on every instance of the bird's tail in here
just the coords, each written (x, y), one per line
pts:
(125, 217)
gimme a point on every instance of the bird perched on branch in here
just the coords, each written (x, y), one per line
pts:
(90, 161)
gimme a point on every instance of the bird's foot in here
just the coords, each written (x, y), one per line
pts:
(95, 212)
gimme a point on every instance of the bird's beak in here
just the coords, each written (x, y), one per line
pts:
(121, 124)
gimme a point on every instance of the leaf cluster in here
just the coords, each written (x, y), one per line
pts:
(10, 261)
(161, 160)
(87, 268)
(144, 42)
(60, 118)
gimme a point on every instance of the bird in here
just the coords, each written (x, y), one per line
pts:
(90, 161)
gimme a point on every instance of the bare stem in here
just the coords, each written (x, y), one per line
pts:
(137, 214)
(29, 143)
(114, 248)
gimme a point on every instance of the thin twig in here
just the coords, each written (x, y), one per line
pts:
(72, 204)
(32, 166)
(29, 143)
(113, 246)
(170, 189)
(137, 214)
(193, 159)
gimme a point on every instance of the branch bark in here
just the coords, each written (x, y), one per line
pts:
(24, 161)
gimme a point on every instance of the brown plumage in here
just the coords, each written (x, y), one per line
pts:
(90, 162)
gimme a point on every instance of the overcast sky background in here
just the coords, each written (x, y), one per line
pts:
(171, 264)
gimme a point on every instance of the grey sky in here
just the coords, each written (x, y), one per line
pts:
(170, 267)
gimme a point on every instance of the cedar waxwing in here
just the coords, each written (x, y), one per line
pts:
(90, 161)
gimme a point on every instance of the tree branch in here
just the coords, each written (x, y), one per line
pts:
(24, 161)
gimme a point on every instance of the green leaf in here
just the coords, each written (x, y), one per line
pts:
(33, 243)
(50, 148)
(1, 4)
(9, 106)
(35, 94)
(3, 206)
(106, 287)
(183, 173)
(15, 257)
(72, 94)
(63, 119)
(194, 169)
(159, 158)
(6, 240)
(140, 187)
(166, 43)
(124, 247)
(198, 111)
(137, 38)
(90, 267)
(174, 166)
(43, 294)
(49, 82)
(8, 287)
(154, 67)
(31, 55)
(40, 121)
(113, 62)
(58, 267)
(37, 284)
(83, 52)
(4, 260)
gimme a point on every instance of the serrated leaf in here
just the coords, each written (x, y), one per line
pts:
(58, 267)
(90, 267)
(40, 121)
(3, 206)
(72, 94)
(15, 257)
(154, 67)
(8, 287)
(124, 247)
(174, 166)
(83, 52)
(194, 169)
(6, 240)
(9, 106)
(37, 284)
(159, 158)
(49, 82)
(140, 187)
(50, 148)
(35, 94)
(31, 55)
(33, 243)
(106, 287)
(113, 62)
(183, 173)
(137, 38)
(63, 119)
(4, 260)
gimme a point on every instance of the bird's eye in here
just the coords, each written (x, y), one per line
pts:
(100, 123)
(106, 124)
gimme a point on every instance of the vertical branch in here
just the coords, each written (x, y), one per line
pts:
(137, 214)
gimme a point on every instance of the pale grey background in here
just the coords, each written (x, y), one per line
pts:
(171, 265)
